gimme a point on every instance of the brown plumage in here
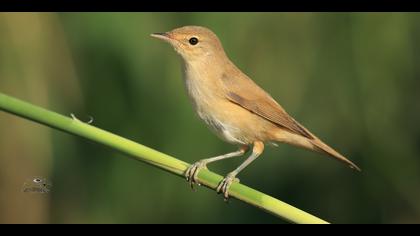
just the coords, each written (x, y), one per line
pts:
(233, 105)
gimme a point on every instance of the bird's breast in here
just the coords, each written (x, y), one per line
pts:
(207, 100)
(201, 89)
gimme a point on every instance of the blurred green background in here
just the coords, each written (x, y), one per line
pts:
(351, 78)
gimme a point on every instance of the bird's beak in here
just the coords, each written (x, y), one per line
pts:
(163, 36)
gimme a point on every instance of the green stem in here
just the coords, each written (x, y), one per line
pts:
(153, 157)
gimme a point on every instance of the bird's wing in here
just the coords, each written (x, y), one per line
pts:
(244, 92)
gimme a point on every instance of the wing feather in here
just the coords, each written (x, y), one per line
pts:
(250, 96)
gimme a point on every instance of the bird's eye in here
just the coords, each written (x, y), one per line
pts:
(193, 41)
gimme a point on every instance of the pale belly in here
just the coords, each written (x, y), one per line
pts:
(231, 122)
(209, 108)
(225, 130)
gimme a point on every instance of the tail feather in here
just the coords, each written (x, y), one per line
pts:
(324, 148)
(314, 144)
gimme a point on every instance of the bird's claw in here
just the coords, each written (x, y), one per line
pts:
(192, 172)
(225, 184)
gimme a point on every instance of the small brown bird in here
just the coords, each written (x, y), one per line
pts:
(232, 105)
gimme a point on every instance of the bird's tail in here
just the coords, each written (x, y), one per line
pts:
(324, 148)
(314, 144)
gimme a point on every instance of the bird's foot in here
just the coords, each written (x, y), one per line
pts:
(192, 172)
(225, 185)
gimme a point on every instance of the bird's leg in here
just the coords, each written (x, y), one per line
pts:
(192, 172)
(230, 178)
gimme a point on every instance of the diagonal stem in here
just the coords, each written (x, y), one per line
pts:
(153, 157)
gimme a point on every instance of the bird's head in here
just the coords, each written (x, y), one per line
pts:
(193, 42)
